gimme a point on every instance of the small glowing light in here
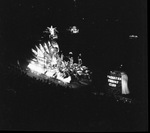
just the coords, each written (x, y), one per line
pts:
(113, 77)
(112, 81)
(70, 53)
(133, 36)
(74, 29)
(124, 83)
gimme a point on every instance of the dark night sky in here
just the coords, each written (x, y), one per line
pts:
(103, 41)
(105, 27)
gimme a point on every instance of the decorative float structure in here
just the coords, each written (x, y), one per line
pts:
(73, 29)
(49, 64)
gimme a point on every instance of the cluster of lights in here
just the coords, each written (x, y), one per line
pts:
(124, 99)
(113, 80)
(113, 77)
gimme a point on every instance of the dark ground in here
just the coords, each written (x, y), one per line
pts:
(104, 43)
(27, 104)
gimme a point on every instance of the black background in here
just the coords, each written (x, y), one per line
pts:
(103, 41)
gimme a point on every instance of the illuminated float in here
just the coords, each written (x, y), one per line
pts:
(49, 64)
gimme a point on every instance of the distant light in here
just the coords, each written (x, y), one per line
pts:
(73, 29)
(133, 36)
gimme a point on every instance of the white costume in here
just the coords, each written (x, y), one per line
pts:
(124, 83)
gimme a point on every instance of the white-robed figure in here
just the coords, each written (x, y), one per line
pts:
(124, 83)
(52, 32)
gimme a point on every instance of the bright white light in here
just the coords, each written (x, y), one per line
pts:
(36, 68)
(112, 81)
(113, 85)
(133, 36)
(124, 79)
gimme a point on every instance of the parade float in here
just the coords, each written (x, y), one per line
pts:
(49, 65)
